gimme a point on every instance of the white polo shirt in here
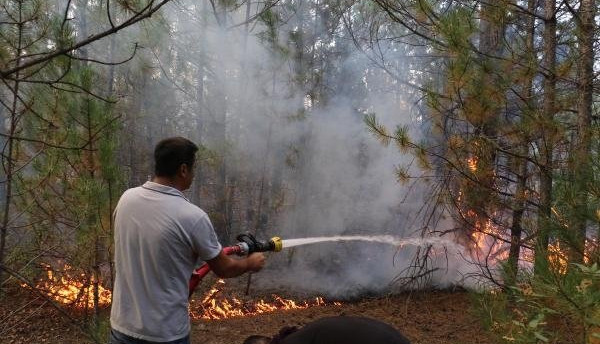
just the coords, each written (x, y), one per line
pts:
(159, 238)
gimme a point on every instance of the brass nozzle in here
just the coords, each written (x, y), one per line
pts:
(277, 244)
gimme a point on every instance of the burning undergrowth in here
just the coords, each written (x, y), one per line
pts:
(73, 288)
(228, 300)
(76, 291)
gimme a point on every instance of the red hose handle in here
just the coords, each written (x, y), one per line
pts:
(203, 270)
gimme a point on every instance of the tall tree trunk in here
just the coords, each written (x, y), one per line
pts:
(110, 90)
(98, 246)
(8, 158)
(220, 105)
(201, 112)
(303, 163)
(90, 166)
(582, 154)
(522, 170)
(137, 171)
(491, 98)
(546, 141)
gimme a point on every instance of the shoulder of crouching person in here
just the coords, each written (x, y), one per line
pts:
(283, 333)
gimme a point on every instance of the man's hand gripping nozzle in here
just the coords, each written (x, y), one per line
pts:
(247, 244)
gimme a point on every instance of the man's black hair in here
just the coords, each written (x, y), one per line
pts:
(172, 152)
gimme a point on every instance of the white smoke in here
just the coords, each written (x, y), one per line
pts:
(339, 179)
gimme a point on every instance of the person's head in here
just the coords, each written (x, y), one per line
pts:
(174, 159)
(276, 339)
(257, 340)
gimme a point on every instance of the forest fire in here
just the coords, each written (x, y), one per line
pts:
(73, 289)
(472, 163)
(76, 290)
(211, 307)
(487, 241)
(557, 258)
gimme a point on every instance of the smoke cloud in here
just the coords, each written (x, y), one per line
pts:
(336, 177)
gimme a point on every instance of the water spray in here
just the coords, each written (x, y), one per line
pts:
(249, 244)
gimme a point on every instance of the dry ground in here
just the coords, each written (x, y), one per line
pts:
(432, 317)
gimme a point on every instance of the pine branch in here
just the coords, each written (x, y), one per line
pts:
(146, 12)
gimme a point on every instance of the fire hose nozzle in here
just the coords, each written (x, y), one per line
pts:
(276, 243)
(248, 241)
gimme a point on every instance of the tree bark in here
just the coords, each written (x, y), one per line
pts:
(223, 192)
(522, 169)
(8, 158)
(582, 152)
(546, 141)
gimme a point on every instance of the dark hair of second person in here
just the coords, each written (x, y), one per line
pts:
(336, 329)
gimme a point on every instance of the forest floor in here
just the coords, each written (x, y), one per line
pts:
(432, 317)
(426, 317)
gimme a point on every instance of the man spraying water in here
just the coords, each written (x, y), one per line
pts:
(159, 238)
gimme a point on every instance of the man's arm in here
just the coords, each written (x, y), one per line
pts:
(225, 266)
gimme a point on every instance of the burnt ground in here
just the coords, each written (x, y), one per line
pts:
(427, 317)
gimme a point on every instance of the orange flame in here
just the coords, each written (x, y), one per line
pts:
(210, 308)
(472, 163)
(487, 240)
(557, 258)
(493, 242)
(76, 291)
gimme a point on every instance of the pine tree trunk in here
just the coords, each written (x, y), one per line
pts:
(222, 192)
(522, 170)
(8, 159)
(546, 141)
(491, 42)
(201, 113)
(111, 186)
(582, 153)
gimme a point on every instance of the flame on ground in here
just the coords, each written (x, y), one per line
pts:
(472, 163)
(73, 289)
(211, 308)
(76, 290)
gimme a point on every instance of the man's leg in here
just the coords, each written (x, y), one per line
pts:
(117, 337)
(185, 340)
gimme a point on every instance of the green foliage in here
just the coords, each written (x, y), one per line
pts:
(27, 26)
(207, 156)
(553, 308)
(62, 33)
(73, 180)
(271, 21)
(456, 29)
(378, 129)
(133, 6)
(401, 138)
(100, 330)
(402, 175)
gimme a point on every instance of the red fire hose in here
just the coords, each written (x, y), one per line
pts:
(200, 272)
